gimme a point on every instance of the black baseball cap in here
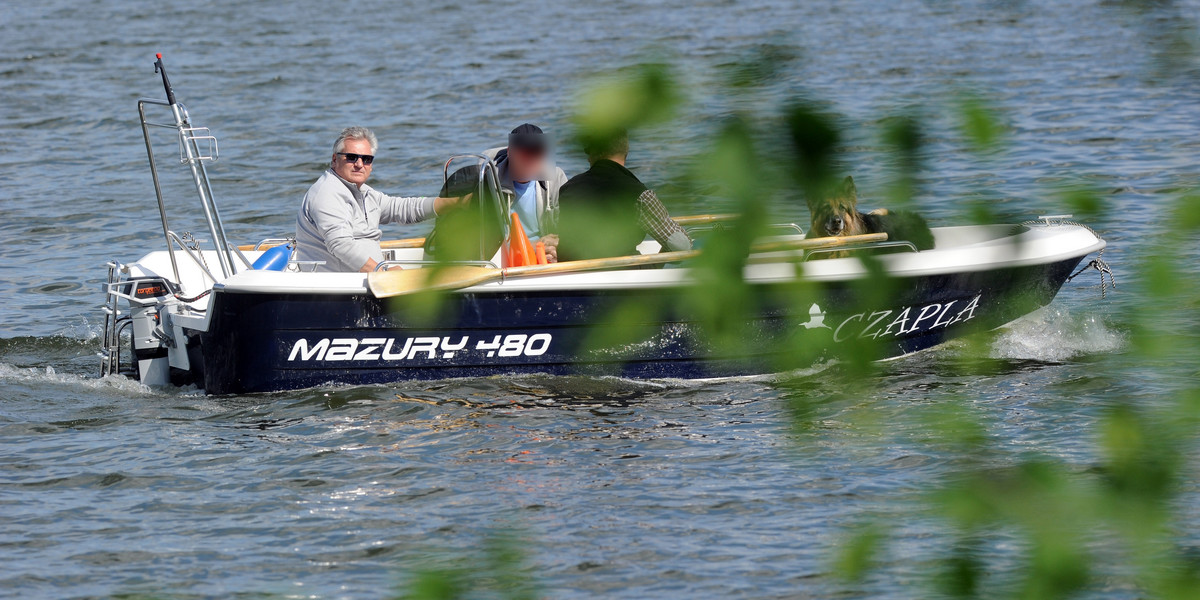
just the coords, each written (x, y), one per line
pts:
(528, 136)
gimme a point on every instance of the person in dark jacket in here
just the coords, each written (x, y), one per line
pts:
(526, 171)
(607, 211)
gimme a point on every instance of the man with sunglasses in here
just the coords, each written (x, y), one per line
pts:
(339, 219)
(524, 170)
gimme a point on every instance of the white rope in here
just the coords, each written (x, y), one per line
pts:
(1096, 263)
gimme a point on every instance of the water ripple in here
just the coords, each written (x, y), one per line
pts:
(725, 488)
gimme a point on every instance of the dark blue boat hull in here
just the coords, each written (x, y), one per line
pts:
(260, 342)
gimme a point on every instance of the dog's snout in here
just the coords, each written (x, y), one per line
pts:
(834, 225)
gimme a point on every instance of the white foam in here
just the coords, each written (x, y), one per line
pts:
(120, 383)
(1055, 334)
(83, 329)
(814, 369)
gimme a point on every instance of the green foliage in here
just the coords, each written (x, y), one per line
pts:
(765, 65)
(1043, 502)
(1084, 203)
(960, 574)
(438, 584)
(955, 427)
(644, 95)
(816, 141)
(904, 138)
(1186, 214)
(979, 123)
(720, 300)
(627, 324)
(858, 552)
(1172, 38)
(1066, 522)
(498, 570)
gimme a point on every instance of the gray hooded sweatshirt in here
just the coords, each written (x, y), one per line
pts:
(339, 222)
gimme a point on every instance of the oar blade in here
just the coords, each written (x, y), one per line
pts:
(387, 284)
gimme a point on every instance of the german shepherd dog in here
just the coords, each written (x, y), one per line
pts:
(837, 215)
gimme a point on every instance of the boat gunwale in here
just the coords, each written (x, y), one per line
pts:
(828, 270)
(989, 251)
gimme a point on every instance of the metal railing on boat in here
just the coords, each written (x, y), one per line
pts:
(720, 226)
(196, 147)
(901, 244)
(114, 324)
(383, 265)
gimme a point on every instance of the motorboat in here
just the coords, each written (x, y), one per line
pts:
(186, 314)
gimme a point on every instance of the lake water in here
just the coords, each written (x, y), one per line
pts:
(617, 488)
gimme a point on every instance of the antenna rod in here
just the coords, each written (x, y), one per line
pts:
(160, 68)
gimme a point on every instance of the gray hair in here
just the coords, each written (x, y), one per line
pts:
(355, 133)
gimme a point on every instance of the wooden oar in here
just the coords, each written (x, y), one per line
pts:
(405, 243)
(685, 221)
(385, 284)
(688, 220)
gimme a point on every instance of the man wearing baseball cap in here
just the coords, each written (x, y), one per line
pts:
(525, 170)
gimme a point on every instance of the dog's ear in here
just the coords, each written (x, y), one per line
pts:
(814, 202)
(848, 187)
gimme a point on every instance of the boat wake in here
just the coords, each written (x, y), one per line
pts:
(1056, 334)
(48, 375)
(1052, 334)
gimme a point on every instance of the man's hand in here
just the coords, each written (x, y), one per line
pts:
(551, 243)
(371, 265)
(441, 205)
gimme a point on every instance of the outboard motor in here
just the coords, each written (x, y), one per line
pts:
(151, 343)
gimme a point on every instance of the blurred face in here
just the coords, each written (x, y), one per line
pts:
(525, 164)
(352, 163)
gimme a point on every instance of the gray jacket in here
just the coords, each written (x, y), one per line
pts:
(549, 182)
(339, 222)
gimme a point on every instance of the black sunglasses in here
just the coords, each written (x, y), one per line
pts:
(353, 158)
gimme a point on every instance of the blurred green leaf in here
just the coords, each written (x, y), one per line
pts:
(1084, 203)
(764, 65)
(1064, 519)
(858, 552)
(645, 95)
(816, 142)
(1186, 215)
(626, 325)
(961, 572)
(904, 140)
(497, 569)
(979, 122)
(982, 211)
(506, 560)
(953, 425)
(442, 584)
(734, 167)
